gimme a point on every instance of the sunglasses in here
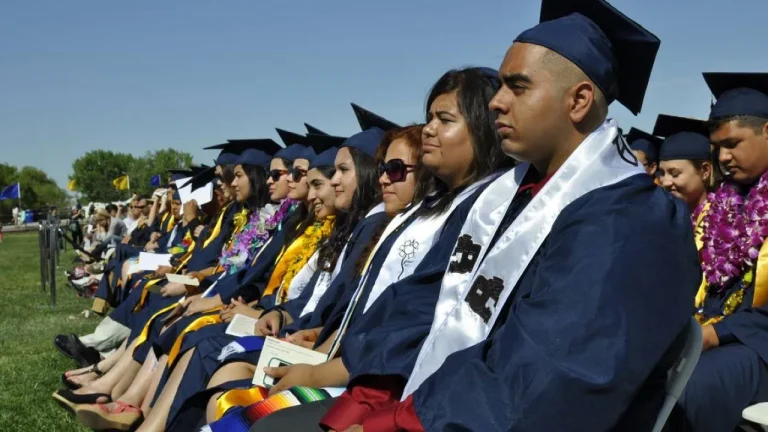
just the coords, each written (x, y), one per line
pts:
(297, 173)
(275, 174)
(396, 169)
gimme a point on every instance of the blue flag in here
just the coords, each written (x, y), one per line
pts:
(155, 181)
(11, 192)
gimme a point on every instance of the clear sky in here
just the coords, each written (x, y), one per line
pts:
(132, 76)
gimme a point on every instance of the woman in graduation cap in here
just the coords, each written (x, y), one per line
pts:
(732, 304)
(252, 225)
(402, 179)
(178, 347)
(685, 167)
(462, 153)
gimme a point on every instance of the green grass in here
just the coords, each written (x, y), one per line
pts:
(30, 367)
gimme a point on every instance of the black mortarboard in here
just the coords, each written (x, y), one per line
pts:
(325, 147)
(686, 138)
(616, 53)
(368, 119)
(367, 141)
(266, 145)
(738, 94)
(201, 178)
(176, 195)
(290, 138)
(313, 130)
(255, 157)
(229, 151)
(644, 142)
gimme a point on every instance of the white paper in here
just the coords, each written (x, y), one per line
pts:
(276, 353)
(202, 195)
(182, 279)
(151, 261)
(242, 325)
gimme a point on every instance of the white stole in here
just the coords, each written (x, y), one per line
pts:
(325, 279)
(602, 159)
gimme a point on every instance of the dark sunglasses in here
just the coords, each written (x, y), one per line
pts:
(297, 173)
(275, 174)
(395, 169)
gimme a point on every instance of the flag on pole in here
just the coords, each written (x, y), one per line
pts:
(72, 185)
(122, 183)
(11, 192)
(156, 181)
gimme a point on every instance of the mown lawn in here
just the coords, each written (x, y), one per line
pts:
(30, 367)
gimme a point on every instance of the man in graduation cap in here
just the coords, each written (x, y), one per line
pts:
(732, 304)
(549, 318)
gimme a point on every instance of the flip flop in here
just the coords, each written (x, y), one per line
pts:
(69, 400)
(98, 417)
(74, 386)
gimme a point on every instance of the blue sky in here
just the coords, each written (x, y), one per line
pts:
(133, 76)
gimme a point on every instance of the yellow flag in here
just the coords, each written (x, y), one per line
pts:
(72, 185)
(122, 183)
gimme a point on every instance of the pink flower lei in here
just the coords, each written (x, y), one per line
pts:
(253, 236)
(734, 231)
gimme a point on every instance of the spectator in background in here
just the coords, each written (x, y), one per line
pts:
(16, 220)
(117, 229)
(75, 224)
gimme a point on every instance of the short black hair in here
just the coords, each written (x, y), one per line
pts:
(752, 122)
(110, 208)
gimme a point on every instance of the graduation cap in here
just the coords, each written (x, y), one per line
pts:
(255, 157)
(643, 141)
(229, 151)
(201, 178)
(738, 94)
(368, 119)
(616, 53)
(366, 141)
(326, 147)
(313, 130)
(176, 195)
(686, 138)
(266, 145)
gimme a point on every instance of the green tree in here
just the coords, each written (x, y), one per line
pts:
(95, 171)
(153, 163)
(38, 191)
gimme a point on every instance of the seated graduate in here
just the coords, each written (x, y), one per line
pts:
(731, 305)
(400, 175)
(686, 169)
(461, 150)
(546, 336)
(297, 263)
(250, 231)
(645, 147)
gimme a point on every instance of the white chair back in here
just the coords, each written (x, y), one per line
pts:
(679, 374)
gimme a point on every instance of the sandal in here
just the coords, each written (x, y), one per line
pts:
(69, 400)
(99, 417)
(74, 386)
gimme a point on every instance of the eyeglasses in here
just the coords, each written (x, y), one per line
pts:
(396, 169)
(275, 174)
(297, 173)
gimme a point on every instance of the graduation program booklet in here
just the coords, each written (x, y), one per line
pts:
(242, 325)
(151, 261)
(182, 279)
(277, 353)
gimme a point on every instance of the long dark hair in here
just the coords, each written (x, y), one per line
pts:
(474, 87)
(257, 178)
(366, 196)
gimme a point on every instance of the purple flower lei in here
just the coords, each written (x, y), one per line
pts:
(734, 231)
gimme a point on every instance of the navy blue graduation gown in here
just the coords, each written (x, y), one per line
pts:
(209, 341)
(584, 342)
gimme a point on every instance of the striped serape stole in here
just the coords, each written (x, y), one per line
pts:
(242, 418)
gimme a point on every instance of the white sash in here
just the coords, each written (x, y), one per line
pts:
(325, 278)
(300, 281)
(411, 246)
(601, 160)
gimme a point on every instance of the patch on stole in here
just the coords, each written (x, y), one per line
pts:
(464, 255)
(407, 251)
(484, 295)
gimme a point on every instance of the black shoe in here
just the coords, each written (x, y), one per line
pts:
(70, 346)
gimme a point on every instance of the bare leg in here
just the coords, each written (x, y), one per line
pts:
(137, 389)
(158, 416)
(157, 375)
(229, 372)
(104, 366)
(105, 384)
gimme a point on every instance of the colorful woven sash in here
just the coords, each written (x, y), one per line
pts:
(257, 405)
